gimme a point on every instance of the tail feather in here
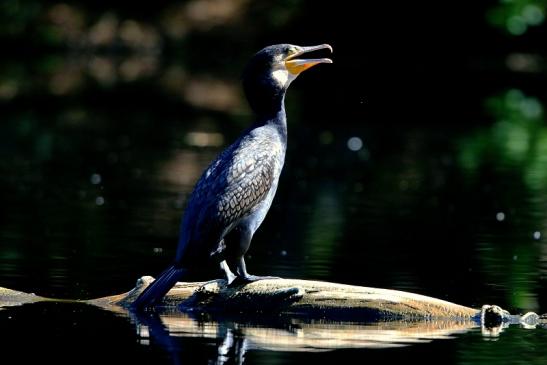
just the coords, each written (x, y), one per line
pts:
(159, 287)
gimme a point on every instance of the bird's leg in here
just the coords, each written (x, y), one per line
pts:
(244, 276)
(238, 242)
(230, 277)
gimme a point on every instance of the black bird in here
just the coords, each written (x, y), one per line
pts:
(234, 194)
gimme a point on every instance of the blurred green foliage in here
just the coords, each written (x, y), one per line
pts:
(513, 151)
(517, 138)
(517, 16)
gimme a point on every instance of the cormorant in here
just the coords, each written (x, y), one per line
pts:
(232, 197)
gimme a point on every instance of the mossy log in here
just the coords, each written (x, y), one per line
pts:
(298, 297)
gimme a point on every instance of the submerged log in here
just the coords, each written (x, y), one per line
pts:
(298, 297)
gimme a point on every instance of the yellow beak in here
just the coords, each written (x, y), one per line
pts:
(296, 66)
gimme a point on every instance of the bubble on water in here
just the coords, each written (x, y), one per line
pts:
(283, 253)
(99, 200)
(355, 143)
(500, 216)
(95, 179)
(537, 235)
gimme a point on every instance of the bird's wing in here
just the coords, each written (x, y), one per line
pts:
(250, 180)
(236, 182)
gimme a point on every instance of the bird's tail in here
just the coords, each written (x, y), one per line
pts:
(159, 287)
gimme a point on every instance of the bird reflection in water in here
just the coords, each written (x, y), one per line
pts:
(235, 336)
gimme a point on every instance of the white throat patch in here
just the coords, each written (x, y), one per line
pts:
(283, 77)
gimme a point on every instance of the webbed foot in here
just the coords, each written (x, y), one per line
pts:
(242, 280)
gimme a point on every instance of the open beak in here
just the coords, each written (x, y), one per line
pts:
(296, 66)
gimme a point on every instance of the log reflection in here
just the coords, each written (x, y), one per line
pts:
(235, 336)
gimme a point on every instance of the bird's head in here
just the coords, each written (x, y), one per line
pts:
(270, 71)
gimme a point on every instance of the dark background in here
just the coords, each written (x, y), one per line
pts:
(101, 103)
(416, 161)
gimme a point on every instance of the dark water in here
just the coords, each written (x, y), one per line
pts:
(416, 219)
(75, 333)
(412, 164)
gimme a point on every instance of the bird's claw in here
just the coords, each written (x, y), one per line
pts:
(242, 280)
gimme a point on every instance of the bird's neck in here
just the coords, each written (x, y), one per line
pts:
(274, 117)
(265, 100)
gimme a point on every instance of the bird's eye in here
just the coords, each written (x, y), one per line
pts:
(291, 51)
